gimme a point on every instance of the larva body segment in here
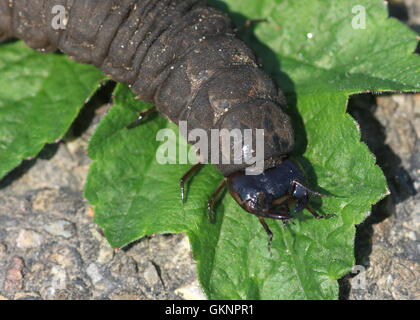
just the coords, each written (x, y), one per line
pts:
(178, 54)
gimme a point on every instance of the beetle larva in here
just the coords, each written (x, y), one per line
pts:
(183, 57)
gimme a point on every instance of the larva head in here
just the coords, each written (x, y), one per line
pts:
(268, 194)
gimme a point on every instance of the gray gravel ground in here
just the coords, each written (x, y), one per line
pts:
(51, 249)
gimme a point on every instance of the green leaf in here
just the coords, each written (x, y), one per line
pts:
(319, 60)
(40, 96)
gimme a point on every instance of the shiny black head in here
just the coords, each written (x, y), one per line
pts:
(270, 193)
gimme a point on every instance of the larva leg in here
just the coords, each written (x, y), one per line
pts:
(213, 199)
(248, 25)
(186, 177)
(140, 118)
(318, 216)
(252, 22)
(267, 230)
(283, 215)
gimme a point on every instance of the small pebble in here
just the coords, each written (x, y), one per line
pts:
(191, 291)
(28, 239)
(60, 228)
(151, 275)
(3, 251)
(94, 273)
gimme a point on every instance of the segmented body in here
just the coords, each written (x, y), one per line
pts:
(180, 55)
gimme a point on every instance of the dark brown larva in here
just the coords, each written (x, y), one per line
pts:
(180, 55)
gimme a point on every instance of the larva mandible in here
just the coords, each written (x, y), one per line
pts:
(183, 57)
